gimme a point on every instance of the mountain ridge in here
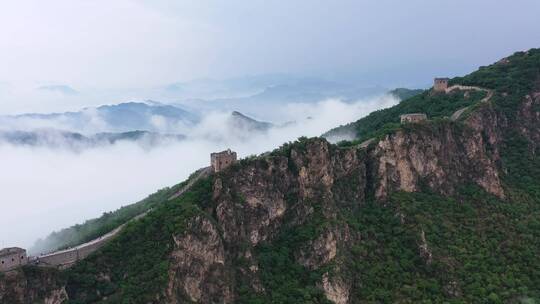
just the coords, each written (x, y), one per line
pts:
(122, 117)
(239, 125)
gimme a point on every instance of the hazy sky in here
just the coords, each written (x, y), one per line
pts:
(110, 46)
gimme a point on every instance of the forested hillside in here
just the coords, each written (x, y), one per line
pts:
(513, 76)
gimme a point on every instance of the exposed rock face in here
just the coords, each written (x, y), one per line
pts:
(320, 251)
(441, 158)
(28, 286)
(250, 203)
(529, 115)
(253, 202)
(423, 247)
(335, 289)
(198, 271)
(57, 296)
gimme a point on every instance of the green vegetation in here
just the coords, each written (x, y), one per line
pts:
(137, 259)
(511, 79)
(515, 78)
(285, 149)
(387, 120)
(487, 247)
(518, 74)
(434, 105)
(91, 229)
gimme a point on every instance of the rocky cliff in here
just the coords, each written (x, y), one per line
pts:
(31, 285)
(314, 181)
(304, 190)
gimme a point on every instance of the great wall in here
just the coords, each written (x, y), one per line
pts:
(14, 257)
(459, 112)
(11, 258)
(65, 258)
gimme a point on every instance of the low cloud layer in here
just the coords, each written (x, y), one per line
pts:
(47, 189)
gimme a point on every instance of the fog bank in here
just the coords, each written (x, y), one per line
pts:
(47, 189)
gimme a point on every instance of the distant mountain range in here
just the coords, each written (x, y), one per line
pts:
(264, 101)
(119, 118)
(149, 124)
(277, 87)
(76, 141)
(152, 123)
(240, 121)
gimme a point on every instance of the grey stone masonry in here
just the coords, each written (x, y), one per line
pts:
(11, 258)
(413, 117)
(222, 160)
(440, 84)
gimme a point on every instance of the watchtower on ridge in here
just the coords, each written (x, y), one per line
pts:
(11, 258)
(413, 118)
(222, 160)
(440, 84)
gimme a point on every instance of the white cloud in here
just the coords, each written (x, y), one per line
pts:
(49, 189)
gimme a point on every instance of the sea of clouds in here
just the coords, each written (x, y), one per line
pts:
(44, 189)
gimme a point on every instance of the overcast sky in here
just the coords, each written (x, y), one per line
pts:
(48, 48)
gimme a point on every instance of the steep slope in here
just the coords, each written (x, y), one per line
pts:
(32, 285)
(243, 123)
(441, 211)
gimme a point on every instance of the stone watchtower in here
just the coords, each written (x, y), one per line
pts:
(440, 84)
(413, 118)
(222, 160)
(11, 258)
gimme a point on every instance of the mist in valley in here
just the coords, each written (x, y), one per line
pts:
(49, 187)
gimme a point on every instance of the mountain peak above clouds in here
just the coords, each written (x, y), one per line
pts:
(123, 117)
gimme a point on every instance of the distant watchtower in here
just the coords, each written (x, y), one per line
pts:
(222, 160)
(440, 84)
(413, 118)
